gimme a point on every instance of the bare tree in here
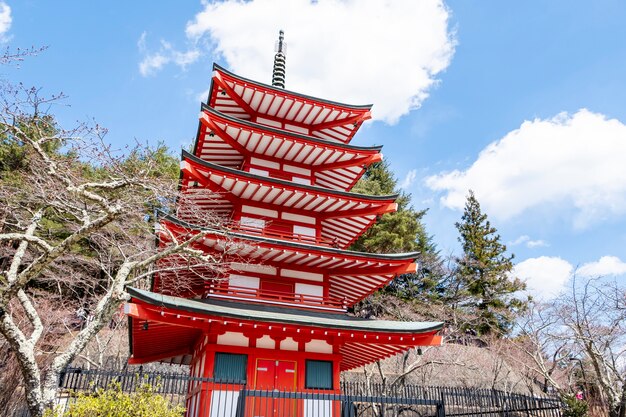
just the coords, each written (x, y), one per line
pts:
(75, 230)
(584, 327)
(543, 346)
(595, 315)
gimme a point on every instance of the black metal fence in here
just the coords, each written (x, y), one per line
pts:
(205, 397)
(460, 401)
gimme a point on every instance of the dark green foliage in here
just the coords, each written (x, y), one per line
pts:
(162, 163)
(402, 231)
(15, 156)
(483, 273)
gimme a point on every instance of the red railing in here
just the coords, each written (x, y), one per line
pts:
(276, 297)
(297, 237)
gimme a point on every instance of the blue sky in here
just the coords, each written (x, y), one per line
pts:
(521, 101)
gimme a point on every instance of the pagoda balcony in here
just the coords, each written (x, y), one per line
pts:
(284, 235)
(353, 275)
(223, 290)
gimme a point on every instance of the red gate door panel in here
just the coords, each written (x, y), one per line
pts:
(265, 374)
(273, 375)
(285, 381)
(285, 375)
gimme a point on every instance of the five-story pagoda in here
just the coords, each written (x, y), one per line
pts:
(277, 167)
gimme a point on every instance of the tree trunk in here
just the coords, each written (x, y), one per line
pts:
(621, 410)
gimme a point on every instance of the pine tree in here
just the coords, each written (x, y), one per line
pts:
(484, 273)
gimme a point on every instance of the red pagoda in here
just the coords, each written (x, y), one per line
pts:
(277, 167)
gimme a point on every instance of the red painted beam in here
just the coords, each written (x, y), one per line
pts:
(387, 208)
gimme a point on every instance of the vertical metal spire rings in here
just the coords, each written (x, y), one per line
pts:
(278, 75)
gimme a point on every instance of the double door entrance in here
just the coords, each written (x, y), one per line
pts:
(274, 376)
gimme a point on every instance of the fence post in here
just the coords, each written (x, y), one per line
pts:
(348, 408)
(62, 377)
(441, 407)
(241, 403)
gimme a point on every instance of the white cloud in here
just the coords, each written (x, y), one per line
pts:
(606, 265)
(530, 243)
(520, 240)
(409, 179)
(5, 21)
(569, 161)
(545, 276)
(141, 42)
(182, 59)
(354, 51)
(536, 243)
(154, 62)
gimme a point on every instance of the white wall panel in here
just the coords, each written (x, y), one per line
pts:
(232, 339)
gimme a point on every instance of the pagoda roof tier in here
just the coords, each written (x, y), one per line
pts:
(229, 141)
(163, 328)
(352, 275)
(262, 103)
(344, 216)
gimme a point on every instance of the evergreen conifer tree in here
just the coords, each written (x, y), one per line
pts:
(484, 274)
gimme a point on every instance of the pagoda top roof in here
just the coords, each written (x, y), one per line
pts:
(262, 103)
(217, 67)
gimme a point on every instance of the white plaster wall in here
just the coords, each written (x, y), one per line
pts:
(300, 180)
(264, 163)
(298, 218)
(252, 222)
(266, 342)
(261, 172)
(306, 231)
(308, 289)
(232, 339)
(288, 344)
(297, 170)
(289, 273)
(243, 281)
(262, 269)
(259, 211)
(318, 346)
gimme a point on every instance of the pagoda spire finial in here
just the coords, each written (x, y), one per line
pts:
(278, 75)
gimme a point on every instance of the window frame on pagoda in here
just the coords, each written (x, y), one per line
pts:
(247, 99)
(341, 217)
(237, 143)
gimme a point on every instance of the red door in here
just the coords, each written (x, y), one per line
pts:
(276, 376)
